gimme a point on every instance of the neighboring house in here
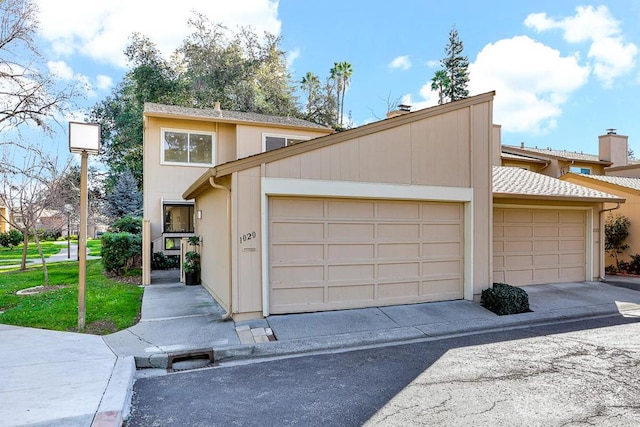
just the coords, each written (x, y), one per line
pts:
(626, 187)
(612, 154)
(405, 210)
(4, 216)
(546, 230)
(180, 144)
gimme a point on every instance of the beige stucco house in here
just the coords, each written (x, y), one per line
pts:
(625, 187)
(612, 155)
(180, 144)
(413, 208)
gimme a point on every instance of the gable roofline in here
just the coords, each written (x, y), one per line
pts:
(226, 116)
(628, 185)
(566, 156)
(228, 168)
(516, 183)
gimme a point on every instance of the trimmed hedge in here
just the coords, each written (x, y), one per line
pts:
(505, 299)
(121, 252)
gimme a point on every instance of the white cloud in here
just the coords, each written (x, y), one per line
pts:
(532, 81)
(434, 63)
(612, 57)
(291, 57)
(100, 30)
(60, 69)
(104, 82)
(400, 62)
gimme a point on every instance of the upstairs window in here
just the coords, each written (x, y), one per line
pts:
(186, 147)
(178, 218)
(273, 142)
(577, 169)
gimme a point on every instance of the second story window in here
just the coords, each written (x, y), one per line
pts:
(188, 147)
(272, 142)
(577, 169)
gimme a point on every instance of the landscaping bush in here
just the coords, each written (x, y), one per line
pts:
(11, 238)
(128, 224)
(160, 261)
(121, 252)
(505, 299)
(631, 267)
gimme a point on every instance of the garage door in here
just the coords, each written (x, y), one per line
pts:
(535, 246)
(327, 254)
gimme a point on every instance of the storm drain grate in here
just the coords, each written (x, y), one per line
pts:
(192, 359)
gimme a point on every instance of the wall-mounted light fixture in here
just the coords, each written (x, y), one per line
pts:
(199, 214)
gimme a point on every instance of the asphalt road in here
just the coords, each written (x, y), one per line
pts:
(580, 373)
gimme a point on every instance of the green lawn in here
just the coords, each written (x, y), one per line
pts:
(95, 247)
(110, 305)
(13, 256)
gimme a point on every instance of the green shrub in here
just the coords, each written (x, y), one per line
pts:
(160, 261)
(505, 299)
(128, 224)
(11, 238)
(121, 252)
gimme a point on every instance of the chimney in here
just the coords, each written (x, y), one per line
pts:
(522, 144)
(216, 107)
(402, 109)
(614, 148)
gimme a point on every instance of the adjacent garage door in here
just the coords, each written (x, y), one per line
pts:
(327, 254)
(535, 246)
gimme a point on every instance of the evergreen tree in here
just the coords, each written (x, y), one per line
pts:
(125, 198)
(455, 65)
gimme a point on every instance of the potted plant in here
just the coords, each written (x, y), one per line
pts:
(191, 264)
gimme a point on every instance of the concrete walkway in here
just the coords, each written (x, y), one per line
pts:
(57, 378)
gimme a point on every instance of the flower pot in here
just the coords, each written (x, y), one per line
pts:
(191, 279)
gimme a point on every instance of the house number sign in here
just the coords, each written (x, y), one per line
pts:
(246, 237)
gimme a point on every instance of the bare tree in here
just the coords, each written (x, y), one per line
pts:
(31, 181)
(28, 94)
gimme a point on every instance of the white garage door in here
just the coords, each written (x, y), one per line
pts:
(535, 246)
(327, 254)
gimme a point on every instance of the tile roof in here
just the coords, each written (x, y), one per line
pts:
(236, 116)
(520, 157)
(632, 183)
(569, 155)
(510, 181)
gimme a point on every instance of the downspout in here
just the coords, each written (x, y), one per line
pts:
(217, 186)
(546, 165)
(603, 243)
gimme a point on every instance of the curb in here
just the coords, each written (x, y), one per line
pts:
(398, 336)
(116, 400)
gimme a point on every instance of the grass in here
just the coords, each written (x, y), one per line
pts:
(13, 256)
(110, 305)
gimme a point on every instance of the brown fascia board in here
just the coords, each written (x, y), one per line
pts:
(535, 154)
(335, 138)
(559, 198)
(586, 179)
(179, 116)
(622, 168)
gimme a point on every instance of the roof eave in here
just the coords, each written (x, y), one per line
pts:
(558, 198)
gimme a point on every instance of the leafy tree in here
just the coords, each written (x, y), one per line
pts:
(455, 65)
(128, 224)
(440, 83)
(321, 104)
(29, 94)
(11, 239)
(616, 231)
(125, 198)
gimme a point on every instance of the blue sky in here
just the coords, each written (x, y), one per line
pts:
(563, 71)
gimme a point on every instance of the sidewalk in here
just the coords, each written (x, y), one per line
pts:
(58, 378)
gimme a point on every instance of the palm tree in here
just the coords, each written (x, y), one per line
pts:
(440, 83)
(335, 74)
(310, 82)
(347, 71)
